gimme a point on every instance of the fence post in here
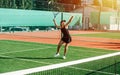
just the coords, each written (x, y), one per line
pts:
(1, 28)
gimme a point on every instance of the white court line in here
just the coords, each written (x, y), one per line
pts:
(35, 49)
(21, 43)
(26, 60)
(24, 51)
(54, 66)
(50, 46)
(89, 51)
(27, 50)
(45, 48)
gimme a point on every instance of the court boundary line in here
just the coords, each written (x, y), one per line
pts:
(29, 50)
(21, 42)
(84, 69)
(54, 66)
(90, 51)
(26, 50)
(40, 48)
(44, 48)
(25, 59)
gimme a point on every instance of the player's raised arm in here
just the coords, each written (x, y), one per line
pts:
(56, 24)
(69, 21)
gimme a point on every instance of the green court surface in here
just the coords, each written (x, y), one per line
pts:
(18, 55)
(112, 35)
(107, 66)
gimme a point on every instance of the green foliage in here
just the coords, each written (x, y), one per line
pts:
(51, 5)
(27, 4)
(54, 6)
(19, 4)
(7, 4)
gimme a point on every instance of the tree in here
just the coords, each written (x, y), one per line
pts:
(1, 3)
(19, 4)
(56, 6)
(27, 4)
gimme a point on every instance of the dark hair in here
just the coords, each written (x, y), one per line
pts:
(63, 21)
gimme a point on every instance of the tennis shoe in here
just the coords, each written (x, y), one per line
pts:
(64, 57)
(57, 55)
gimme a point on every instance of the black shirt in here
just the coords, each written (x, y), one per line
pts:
(65, 32)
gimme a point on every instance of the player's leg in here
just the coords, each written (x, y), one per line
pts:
(65, 50)
(58, 47)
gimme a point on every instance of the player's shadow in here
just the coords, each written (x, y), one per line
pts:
(38, 58)
(5, 58)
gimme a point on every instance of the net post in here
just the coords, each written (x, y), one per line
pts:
(115, 66)
(0, 28)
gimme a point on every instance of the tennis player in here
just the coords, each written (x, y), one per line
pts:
(66, 38)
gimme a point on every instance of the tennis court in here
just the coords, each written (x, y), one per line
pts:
(18, 55)
(32, 53)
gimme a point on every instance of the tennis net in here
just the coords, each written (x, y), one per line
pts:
(100, 65)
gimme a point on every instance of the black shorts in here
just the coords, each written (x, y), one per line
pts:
(67, 39)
